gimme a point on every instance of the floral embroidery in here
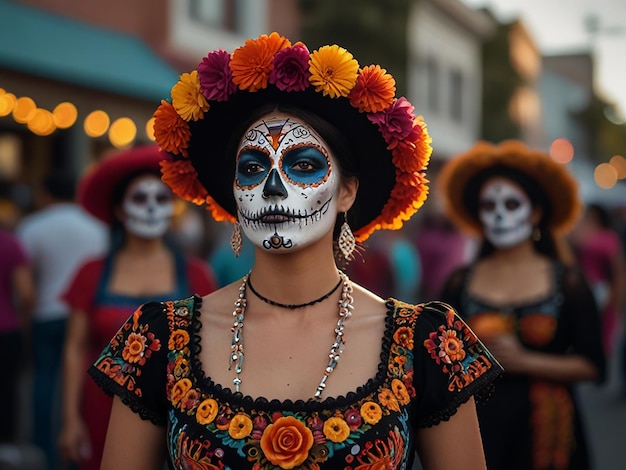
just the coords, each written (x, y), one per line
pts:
(455, 347)
(537, 329)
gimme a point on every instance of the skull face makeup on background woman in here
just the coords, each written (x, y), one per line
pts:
(285, 183)
(506, 212)
(148, 207)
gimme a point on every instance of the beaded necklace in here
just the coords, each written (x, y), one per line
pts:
(237, 350)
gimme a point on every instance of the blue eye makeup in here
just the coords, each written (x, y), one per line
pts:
(252, 167)
(305, 165)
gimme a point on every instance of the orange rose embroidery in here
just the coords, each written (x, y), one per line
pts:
(371, 412)
(207, 411)
(133, 349)
(287, 442)
(336, 429)
(178, 340)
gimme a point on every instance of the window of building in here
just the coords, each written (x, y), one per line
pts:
(456, 95)
(214, 13)
(432, 76)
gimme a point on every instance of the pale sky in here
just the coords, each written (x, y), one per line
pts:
(558, 26)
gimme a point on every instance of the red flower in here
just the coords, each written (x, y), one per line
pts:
(291, 68)
(397, 123)
(216, 78)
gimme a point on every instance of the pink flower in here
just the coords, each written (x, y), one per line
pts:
(290, 70)
(397, 123)
(216, 78)
(353, 418)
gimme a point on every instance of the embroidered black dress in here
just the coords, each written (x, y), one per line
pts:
(530, 423)
(431, 363)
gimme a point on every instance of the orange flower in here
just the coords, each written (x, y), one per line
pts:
(187, 99)
(178, 340)
(218, 212)
(388, 399)
(252, 63)
(336, 429)
(179, 390)
(371, 412)
(537, 329)
(182, 177)
(134, 346)
(333, 71)
(451, 346)
(400, 391)
(240, 426)
(207, 411)
(171, 131)
(286, 442)
(374, 90)
(404, 337)
(489, 324)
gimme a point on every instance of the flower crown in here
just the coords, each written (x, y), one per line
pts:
(272, 61)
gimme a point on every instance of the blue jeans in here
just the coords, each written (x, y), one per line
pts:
(48, 340)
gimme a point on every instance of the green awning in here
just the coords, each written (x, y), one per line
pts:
(43, 44)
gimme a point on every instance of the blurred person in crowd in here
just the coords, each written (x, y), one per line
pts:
(441, 248)
(534, 312)
(17, 300)
(599, 252)
(303, 174)
(125, 192)
(58, 237)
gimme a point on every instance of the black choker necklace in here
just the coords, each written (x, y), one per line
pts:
(292, 306)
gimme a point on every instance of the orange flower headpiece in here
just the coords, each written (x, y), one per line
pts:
(557, 184)
(209, 105)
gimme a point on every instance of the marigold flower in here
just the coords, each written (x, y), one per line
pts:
(218, 212)
(371, 412)
(252, 63)
(451, 347)
(399, 390)
(240, 426)
(187, 99)
(336, 429)
(182, 177)
(133, 348)
(216, 77)
(374, 90)
(171, 131)
(181, 367)
(179, 390)
(290, 70)
(286, 442)
(178, 340)
(333, 71)
(404, 337)
(388, 399)
(207, 411)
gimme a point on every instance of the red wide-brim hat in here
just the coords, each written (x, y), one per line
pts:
(95, 190)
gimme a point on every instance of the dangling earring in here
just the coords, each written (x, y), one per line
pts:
(536, 234)
(346, 240)
(235, 239)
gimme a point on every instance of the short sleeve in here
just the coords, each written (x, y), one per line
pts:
(451, 364)
(133, 365)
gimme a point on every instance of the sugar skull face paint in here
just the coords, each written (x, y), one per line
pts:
(285, 183)
(505, 212)
(148, 207)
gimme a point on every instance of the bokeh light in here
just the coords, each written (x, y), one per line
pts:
(41, 122)
(122, 132)
(65, 115)
(605, 176)
(150, 129)
(7, 104)
(97, 123)
(619, 163)
(24, 106)
(562, 150)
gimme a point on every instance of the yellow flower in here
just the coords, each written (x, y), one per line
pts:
(336, 429)
(207, 411)
(400, 391)
(133, 348)
(388, 399)
(178, 340)
(371, 412)
(179, 390)
(187, 98)
(240, 426)
(333, 71)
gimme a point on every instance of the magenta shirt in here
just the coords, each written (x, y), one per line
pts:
(12, 255)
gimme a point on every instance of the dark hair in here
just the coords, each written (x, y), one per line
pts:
(60, 184)
(337, 143)
(471, 195)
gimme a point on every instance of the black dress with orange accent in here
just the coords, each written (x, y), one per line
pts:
(431, 363)
(530, 423)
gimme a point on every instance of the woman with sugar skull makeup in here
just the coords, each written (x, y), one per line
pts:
(126, 192)
(534, 313)
(306, 154)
